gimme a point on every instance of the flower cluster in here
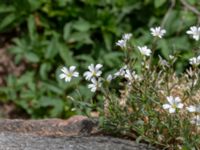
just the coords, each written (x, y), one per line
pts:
(195, 32)
(144, 50)
(174, 104)
(158, 31)
(93, 75)
(123, 42)
(150, 90)
(67, 74)
(195, 60)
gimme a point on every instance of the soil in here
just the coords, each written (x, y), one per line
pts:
(7, 67)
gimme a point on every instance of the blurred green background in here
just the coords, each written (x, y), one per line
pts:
(37, 37)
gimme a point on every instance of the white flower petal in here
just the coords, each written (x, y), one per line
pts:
(64, 70)
(91, 67)
(98, 66)
(75, 74)
(180, 105)
(62, 76)
(109, 78)
(172, 110)
(67, 79)
(177, 100)
(72, 68)
(166, 106)
(170, 99)
(191, 108)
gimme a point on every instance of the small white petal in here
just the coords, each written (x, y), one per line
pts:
(98, 66)
(170, 99)
(177, 100)
(166, 106)
(109, 78)
(191, 108)
(91, 67)
(72, 68)
(64, 70)
(62, 76)
(75, 74)
(67, 79)
(180, 105)
(172, 110)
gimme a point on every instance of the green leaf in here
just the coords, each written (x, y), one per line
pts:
(31, 27)
(108, 40)
(66, 55)
(35, 4)
(81, 25)
(52, 87)
(5, 9)
(32, 57)
(44, 70)
(82, 37)
(52, 49)
(159, 3)
(9, 19)
(56, 103)
(192, 2)
(67, 29)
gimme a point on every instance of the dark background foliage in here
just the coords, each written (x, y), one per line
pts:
(44, 35)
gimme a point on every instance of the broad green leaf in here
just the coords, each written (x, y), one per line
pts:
(108, 40)
(81, 25)
(192, 2)
(31, 27)
(67, 29)
(82, 37)
(44, 70)
(8, 20)
(52, 49)
(159, 3)
(66, 55)
(32, 57)
(56, 103)
(5, 9)
(35, 4)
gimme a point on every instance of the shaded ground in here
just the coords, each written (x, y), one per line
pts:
(7, 67)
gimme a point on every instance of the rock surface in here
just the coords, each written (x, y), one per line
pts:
(13, 141)
(75, 133)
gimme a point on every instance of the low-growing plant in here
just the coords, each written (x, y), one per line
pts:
(41, 34)
(146, 99)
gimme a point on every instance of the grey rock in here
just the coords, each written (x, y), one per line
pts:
(17, 141)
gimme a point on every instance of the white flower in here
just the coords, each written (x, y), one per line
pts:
(68, 73)
(121, 43)
(109, 78)
(193, 108)
(94, 71)
(144, 50)
(174, 103)
(131, 75)
(126, 36)
(163, 62)
(195, 60)
(195, 32)
(158, 31)
(95, 84)
(196, 120)
(171, 57)
(121, 71)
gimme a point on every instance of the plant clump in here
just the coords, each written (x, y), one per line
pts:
(147, 99)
